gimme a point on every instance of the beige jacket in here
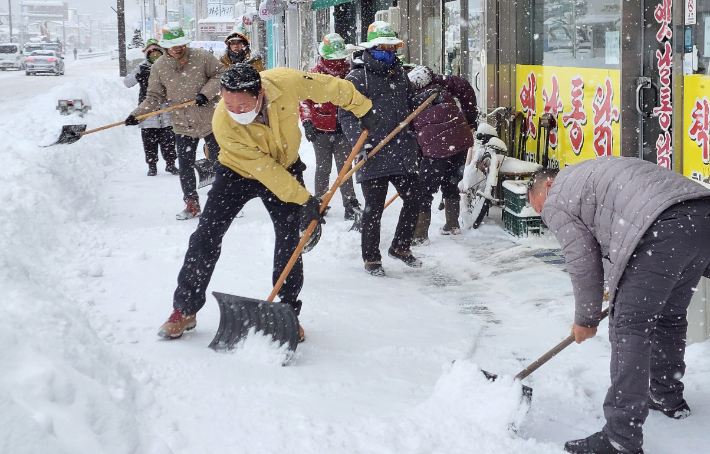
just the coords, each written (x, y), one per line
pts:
(181, 81)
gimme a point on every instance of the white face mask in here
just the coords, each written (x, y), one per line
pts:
(245, 118)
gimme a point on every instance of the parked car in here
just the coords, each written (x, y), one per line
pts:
(10, 56)
(44, 61)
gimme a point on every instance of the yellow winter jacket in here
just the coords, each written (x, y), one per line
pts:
(263, 153)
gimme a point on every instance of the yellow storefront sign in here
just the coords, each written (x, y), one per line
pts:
(585, 104)
(696, 125)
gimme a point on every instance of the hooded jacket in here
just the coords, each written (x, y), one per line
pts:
(391, 93)
(599, 209)
(444, 129)
(140, 75)
(262, 152)
(325, 116)
(181, 81)
(255, 60)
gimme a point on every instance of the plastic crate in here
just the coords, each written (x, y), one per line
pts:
(515, 195)
(522, 226)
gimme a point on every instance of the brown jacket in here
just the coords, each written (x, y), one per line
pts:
(255, 61)
(181, 81)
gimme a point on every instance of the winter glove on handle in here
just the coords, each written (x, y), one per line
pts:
(201, 100)
(362, 154)
(310, 211)
(370, 121)
(131, 120)
(418, 100)
(310, 130)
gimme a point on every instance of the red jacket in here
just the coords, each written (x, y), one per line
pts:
(324, 116)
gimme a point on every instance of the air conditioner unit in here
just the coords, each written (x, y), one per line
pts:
(390, 15)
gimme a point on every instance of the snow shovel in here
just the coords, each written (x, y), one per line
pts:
(527, 391)
(239, 314)
(72, 133)
(205, 170)
(357, 223)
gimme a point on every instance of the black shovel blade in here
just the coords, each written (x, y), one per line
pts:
(527, 391)
(205, 172)
(70, 134)
(239, 314)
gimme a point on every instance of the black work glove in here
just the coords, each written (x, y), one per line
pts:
(310, 130)
(310, 211)
(418, 100)
(131, 120)
(201, 100)
(370, 120)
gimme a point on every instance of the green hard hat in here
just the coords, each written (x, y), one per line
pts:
(173, 36)
(152, 43)
(380, 32)
(332, 47)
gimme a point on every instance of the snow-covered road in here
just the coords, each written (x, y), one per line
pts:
(89, 255)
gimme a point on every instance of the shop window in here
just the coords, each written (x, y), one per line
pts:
(577, 33)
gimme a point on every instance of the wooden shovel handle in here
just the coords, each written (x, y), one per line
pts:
(550, 354)
(312, 226)
(141, 117)
(389, 202)
(389, 137)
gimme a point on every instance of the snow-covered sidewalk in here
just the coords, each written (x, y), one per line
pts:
(89, 255)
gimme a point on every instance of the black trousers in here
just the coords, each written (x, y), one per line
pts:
(163, 138)
(228, 195)
(375, 192)
(444, 173)
(186, 152)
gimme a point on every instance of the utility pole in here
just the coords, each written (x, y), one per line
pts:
(121, 38)
(181, 13)
(9, 5)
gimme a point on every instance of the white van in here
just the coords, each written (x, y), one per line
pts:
(10, 56)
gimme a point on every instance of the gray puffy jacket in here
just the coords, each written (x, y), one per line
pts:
(599, 210)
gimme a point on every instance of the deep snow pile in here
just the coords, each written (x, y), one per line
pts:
(89, 253)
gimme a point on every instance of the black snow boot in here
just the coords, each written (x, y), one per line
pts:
(597, 443)
(375, 268)
(152, 169)
(405, 256)
(681, 411)
(171, 169)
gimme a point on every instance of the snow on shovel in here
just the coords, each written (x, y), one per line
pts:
(527, 391)
(72, 133)
(239, 314)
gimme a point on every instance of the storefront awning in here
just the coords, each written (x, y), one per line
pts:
(318, 4)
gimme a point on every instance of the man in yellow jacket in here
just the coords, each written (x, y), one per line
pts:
(256, 126)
